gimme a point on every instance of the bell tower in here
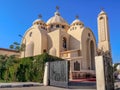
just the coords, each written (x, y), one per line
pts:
(103, 32)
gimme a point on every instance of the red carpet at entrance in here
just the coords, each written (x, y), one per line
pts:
(84, 80)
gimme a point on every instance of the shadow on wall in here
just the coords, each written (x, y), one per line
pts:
(50, 44)
(74, 43)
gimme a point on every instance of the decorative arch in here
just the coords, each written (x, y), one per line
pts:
(92, 52)
(64, 44)
(101, 18)
(86, 37)
(30, 49)
(88, 52)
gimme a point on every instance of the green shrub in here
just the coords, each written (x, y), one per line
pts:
(13, 69)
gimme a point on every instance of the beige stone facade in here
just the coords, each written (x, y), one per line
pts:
(9, 52)
(73, 42)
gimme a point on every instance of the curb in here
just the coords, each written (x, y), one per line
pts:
(12, 85)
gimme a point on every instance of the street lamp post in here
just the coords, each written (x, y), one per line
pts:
(25, 44)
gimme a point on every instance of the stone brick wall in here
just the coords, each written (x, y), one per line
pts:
(8, 52)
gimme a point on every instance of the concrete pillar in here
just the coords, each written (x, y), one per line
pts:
(46, 74)
(100, 75)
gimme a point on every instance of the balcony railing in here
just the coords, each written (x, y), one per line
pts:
(70, 53)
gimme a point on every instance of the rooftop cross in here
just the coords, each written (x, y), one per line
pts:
(57, 8)
(39, 16)
(77, 16)
(102, 9)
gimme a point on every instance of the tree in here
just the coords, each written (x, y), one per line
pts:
(16, 46)
(115, 67)
(11, 46)
(22, 47)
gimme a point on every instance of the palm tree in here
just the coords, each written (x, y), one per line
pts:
(16, 46)
(11, 46)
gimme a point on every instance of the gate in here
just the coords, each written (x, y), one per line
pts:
(108, 71)
(59, 73)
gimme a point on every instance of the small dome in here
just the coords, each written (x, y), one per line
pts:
(56, 19)
(57, 13)
(38, 21)
(102, 12)
(77, 21)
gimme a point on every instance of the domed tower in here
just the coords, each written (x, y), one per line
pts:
(82, 39)
(75, 30)
(103, 32)
(57, 34)
(40, 23)
(57, 22)
(77, 22)
(35, 39)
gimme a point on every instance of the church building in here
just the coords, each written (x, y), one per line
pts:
(74, 42)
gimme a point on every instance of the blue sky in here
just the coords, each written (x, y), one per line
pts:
(16, 16)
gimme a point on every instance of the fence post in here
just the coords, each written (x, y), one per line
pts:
(46, 74)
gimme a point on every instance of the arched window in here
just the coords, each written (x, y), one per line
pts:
(51, 26)
(64, 42)
(44, 51)
(101, 18)
(57, 26)
(89, 34)
(73, 28)
(76, 66)
(30, 34)
(63, 26)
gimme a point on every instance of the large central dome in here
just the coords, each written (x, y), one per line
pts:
(56, 19)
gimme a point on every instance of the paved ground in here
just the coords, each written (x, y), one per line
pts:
(19, 84)
(41, 88)
(38, 86)
(82, 85)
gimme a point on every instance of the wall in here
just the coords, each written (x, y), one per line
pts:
(54, 41)
(8, 52)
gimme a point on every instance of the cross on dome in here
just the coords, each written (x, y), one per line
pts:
(57, 18)
(102, 9)
(38, 20)
(77, 21)
(57, 11)
(39, 16)
(77, 16)
(57, 8)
